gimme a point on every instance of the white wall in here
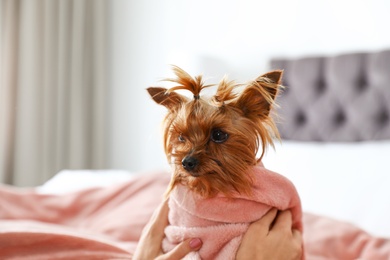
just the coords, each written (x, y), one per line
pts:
(216, 38)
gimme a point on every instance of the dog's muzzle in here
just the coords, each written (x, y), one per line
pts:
(189, 164)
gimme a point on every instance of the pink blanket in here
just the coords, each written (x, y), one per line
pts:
(221, 222)
(106, 223)
(98, 223)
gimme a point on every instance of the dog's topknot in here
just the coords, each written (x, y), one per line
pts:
(186, 82)
(224, 92)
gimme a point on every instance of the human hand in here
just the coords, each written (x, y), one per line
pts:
(271, 237)
(149, 245)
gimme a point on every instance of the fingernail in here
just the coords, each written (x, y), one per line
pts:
(195, 243)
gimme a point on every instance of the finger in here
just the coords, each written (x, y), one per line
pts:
(182, 249)
(265, 222)
(162, 213)
(283, 221)
(159, 219)
(297, 235)
(269, 217)
(160, 209)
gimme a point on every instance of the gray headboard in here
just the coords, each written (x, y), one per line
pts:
(340, 98)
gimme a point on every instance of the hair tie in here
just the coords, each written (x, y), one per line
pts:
(196, 97)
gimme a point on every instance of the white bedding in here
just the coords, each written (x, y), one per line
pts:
(346, 181)
(75, 180)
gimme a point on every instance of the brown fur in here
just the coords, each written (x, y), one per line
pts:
(189, 123)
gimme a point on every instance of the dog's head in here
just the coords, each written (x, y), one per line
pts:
(212, 142)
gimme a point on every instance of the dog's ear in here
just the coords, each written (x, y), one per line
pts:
(274, 78)
(161, 96)
(259, 95)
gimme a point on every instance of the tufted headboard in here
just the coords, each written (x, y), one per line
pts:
(344, 98)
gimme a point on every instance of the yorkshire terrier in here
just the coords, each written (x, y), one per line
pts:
(213, 145)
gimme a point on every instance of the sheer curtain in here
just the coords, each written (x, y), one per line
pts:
(53, 88)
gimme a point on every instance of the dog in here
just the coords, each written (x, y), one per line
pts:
(219, 184)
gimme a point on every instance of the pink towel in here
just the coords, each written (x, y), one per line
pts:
(220, 221)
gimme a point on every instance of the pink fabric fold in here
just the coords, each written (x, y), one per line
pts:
(31, 240)
(106, 223)
(327, 238)
(95, 223)
(220, 221)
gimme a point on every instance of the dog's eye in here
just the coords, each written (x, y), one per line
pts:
(181, 139)
(218, 136)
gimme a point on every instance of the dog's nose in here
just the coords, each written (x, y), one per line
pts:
(189, 163)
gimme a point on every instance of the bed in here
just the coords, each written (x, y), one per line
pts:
(334, 119)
